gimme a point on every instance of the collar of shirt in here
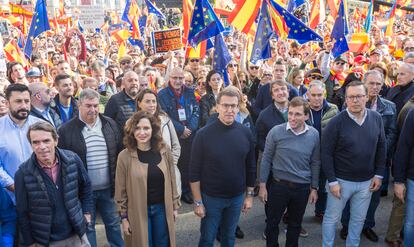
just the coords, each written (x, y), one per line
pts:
(297, 133)
(96, 125)
(15, 125)
(353, 117)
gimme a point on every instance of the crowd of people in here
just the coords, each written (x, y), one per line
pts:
(86, 131)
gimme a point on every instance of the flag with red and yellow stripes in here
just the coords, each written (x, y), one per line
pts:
(13, 53)
(244, 15)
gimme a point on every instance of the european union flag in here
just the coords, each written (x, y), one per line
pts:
(261, 45)
(204, 23)
(221, 57)
(142, 23)
(154, 10)
(40, 24)
(339, 32)
(297, 29)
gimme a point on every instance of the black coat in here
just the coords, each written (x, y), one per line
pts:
(71, 138)
(401, 95)
(267, 119)
(34, 208)
(207, 103)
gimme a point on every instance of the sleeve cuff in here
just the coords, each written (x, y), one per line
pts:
(379, 176)
(333, 183)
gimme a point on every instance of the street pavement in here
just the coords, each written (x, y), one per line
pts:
(252, 224)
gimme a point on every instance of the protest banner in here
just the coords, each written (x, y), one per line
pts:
(166, 40)
(91, 16)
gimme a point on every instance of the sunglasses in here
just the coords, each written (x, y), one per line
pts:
(126, 62)
(315, 77)
(194, 60)
(254, 67)
(339, 63)
(233, 65)
(268, 75)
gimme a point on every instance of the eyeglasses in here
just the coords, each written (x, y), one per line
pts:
(230, 106)
(177, 77)
(356, 97)
(409, 49)
(194, 60)
(233, 65)
(339, 63)
(125, 62)
(254, 67)
(315, 77)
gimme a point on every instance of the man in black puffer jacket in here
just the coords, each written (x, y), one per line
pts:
(53, 193)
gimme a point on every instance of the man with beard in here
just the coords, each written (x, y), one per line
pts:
(121, 106)
(14, 147)
(64, 103)
(40, 104)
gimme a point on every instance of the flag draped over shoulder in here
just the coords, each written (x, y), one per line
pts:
(40, 24)
(261, 45)
(221, 57)
(204, 23)
(244, 15)
(339, 32)
(287, 24)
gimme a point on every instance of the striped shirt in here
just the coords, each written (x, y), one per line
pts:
(96, 156)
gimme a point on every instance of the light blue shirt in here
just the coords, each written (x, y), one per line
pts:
(14, 148)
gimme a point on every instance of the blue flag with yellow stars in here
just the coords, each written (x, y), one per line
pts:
(261, 45)
(204, 23)
(40, 24)
(295, 28)
(339, 32)
(154, 10)
(221, 57)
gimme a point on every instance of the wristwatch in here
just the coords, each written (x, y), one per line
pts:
(314, 188)
(250, 193)
(198, 203)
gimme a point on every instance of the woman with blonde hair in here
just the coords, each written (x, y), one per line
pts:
(145, 186)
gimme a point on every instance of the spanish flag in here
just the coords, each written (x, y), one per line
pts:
(131, 14)
(200, 50)
(333, 7)
(13, 53)
(317, 14)
(244, 15)
(17, 9)
(120, 35)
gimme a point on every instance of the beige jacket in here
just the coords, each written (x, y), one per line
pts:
(131, 194)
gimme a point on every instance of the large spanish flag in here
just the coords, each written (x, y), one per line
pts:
(317, 13)
(244, 15)
(333, 7)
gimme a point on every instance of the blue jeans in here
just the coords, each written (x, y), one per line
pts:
(158, 235)
(106, 206)
(7, 219)
(370, 218)
(409, 215)
(223, 212)
(359, 195)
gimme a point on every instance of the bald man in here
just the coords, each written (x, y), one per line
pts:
(121, 106)
(41, 98)
(401, 93)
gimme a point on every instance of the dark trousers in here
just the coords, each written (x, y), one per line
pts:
(320, 204)
(184, 162)
(294, 198)
(370, 218)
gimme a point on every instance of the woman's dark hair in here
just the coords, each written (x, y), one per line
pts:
(208, 78)
(130, 142)
(140, 97)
